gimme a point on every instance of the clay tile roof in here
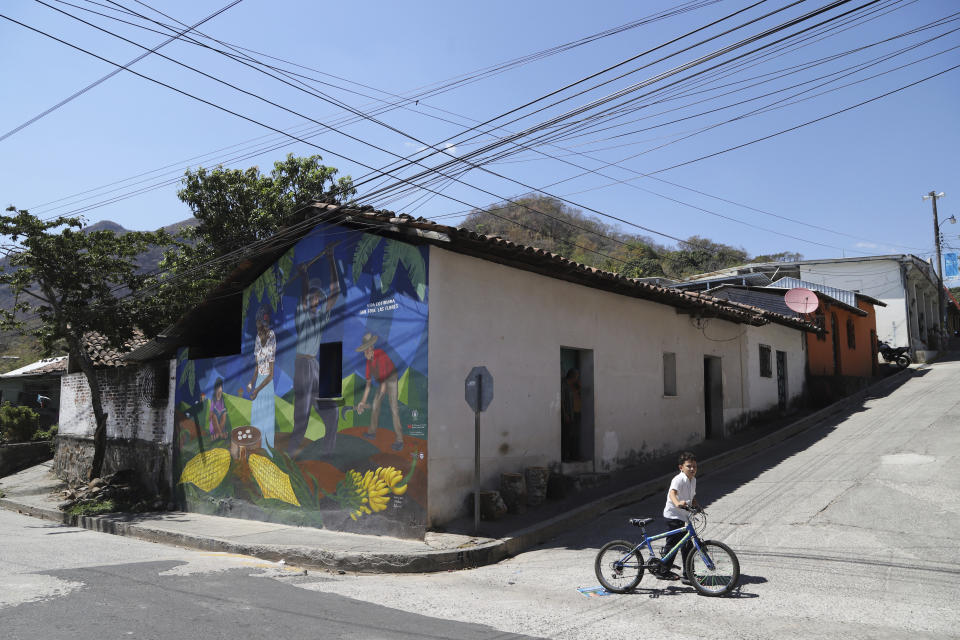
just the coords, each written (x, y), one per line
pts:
(103, 355)
(194, 327)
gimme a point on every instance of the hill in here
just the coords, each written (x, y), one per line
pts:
(548, 224)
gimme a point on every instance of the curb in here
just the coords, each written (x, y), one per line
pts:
(445, 560)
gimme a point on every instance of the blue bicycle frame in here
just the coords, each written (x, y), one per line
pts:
(667, 559)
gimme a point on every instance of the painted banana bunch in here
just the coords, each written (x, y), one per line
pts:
(369, 492)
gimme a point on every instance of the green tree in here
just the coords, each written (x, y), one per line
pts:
(67, 284)
(783, 256)
(641, 261)
(702, 255)
(235, 208)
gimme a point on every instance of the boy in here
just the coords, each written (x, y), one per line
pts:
(683, 488)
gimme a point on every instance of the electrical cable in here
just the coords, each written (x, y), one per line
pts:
(418, 96)
(112, 73)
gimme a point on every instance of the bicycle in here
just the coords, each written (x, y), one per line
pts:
(711, 566)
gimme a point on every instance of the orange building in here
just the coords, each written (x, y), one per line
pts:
(848, 346)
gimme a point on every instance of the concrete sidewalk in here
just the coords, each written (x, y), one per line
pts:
(35, 492)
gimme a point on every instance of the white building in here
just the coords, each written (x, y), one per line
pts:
(661, 369)
(908, 285)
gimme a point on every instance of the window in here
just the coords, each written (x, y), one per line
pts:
(766, 368)
(821, 321)
(851, 334)
(331, 370)
(669, 374)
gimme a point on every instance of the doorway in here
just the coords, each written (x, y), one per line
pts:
(712, 397)
(835, 334)
(782, 380)
(576, 405)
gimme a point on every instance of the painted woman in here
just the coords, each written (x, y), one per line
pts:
(261, 385)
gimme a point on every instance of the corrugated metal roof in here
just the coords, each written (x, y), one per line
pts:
(769, 300)
(709, 282)
(40, 367)
(843, 295)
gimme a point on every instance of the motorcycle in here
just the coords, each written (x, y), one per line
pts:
(899, 356)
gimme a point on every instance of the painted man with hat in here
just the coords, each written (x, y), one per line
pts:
(381, 367)
(312, 316)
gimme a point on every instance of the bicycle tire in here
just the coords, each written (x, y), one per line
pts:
(616, 576)
(716, 582)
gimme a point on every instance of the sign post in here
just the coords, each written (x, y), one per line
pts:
(478, 392)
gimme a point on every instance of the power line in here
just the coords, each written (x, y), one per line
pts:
(113, 73)
(597, 212)
(417, 95)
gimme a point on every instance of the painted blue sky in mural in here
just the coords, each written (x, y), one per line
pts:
(396, 315)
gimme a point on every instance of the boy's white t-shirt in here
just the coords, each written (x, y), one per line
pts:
(686, 489)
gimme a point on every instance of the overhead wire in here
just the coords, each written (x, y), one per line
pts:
(106, 77)
(234, 113)
(790, 236)
(332, 129)
(416, 95)
(654, 232)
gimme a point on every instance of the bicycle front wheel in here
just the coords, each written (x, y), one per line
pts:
(722, 578)
(618, 567)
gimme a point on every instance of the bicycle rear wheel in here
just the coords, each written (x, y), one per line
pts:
(724, 576)
(618, 567)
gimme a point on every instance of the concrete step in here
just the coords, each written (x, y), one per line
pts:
(590, 480)
(576, 468)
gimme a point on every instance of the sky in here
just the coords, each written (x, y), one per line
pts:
(687, 139)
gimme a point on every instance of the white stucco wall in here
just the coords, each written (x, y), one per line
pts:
(762, 391)
(880, 279)
(515, 323)
(134, 410)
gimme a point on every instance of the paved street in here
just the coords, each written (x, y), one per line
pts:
(845, 530)
(841, 532)
(59, 583)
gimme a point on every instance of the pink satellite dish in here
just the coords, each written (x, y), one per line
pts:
(801, 300)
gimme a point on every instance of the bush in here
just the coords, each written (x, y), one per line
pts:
(94, 508)
(17, 424)
(48, 434)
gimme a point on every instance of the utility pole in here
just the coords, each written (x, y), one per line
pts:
(933, 195)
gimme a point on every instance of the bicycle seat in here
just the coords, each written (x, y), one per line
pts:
(640, 522)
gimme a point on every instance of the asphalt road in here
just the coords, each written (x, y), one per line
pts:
(849, 529)
(59, 583)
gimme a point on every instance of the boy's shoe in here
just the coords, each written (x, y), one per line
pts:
(685, 580)
(667, 575)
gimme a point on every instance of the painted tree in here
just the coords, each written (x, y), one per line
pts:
(69, 284)
(235, 208)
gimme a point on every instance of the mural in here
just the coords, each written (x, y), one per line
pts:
(321, 420)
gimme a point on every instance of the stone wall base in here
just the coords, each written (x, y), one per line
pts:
(150, 462)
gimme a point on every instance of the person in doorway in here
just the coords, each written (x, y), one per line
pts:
(261, 385)
(312, 316)
(570, 409)
(381, 367)
(680, 496)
